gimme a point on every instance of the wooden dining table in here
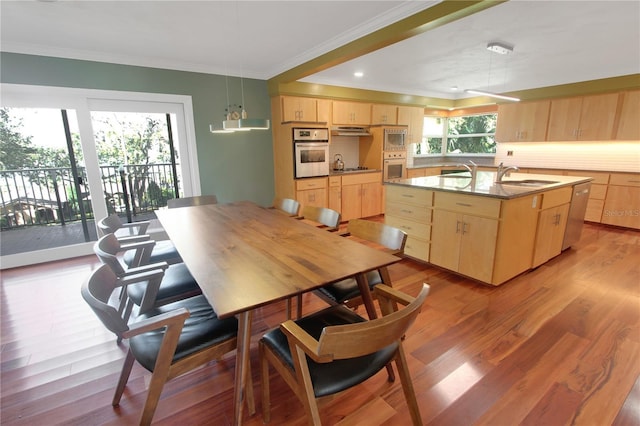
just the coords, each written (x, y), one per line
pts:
(245, 256)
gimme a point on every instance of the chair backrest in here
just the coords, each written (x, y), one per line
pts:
(97, 291)
(287, 205)
(198, 200)
(108, 247)
(379, 233)
(326, 216)
(359, 339)
(110, 224)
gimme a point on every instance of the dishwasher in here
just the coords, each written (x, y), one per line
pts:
(577, 210)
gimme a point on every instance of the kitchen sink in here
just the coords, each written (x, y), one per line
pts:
(454, 176)
(528, 182)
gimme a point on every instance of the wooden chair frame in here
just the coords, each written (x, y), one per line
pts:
(287, 206)
(165, 369)
(341, 342)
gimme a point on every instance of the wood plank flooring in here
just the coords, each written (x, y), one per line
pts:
(559, 345)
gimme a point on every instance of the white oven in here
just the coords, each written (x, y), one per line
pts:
(394, 166)
(311, 152)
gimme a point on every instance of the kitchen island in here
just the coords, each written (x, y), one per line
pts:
(480, 228)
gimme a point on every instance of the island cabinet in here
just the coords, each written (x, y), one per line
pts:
(622, 203)
(384, 114)
(628, 123)
(423, 171)
(410, 209)
(522, 122)
(311, 192)
(301, 109)
(552, 222)
(351, 113)
(585, 118)
(361, 195)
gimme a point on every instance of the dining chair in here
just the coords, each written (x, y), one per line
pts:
(177, 282)
(335, 349)
(198, 200)
(321, 216)
(167, 341)
(390, 239)
(286, 205)
(163, 251)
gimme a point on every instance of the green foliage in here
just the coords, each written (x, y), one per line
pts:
(16, 150)
(477, 125)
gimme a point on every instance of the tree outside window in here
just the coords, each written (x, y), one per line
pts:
(469, 134)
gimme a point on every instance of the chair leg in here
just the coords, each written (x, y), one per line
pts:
(124, 377)
(407, 387)
(266, 397)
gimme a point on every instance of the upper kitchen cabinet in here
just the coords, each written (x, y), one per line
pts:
(302, 109)
(522, 122)
(628, 123)
(384, 114)
(586, 118)
(356, 113)
(413, 118)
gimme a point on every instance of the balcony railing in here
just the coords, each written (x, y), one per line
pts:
(45, 196)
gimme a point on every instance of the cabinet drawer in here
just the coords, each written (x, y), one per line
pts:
(418, 248)
(409, 211)
(359, 178)
(404, 194)
(624, 179)
(468, 204)
(412, 228)
(598, 192)
(556, 197)
(598, 177)
(304, 184)
(335, 180)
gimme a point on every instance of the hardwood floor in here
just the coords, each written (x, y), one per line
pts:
(558, 345)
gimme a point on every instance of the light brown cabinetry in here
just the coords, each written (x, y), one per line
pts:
(311, 192)
(301, 109)
(423, 171)
(622, 204)
(335, 193)
(464, 234)
(587, 118)
(356, 113)
(410, 209)
(628, 118)
(597, 194)
(361, 195)
(522, 122)
(413, 118)
(552, 222)
(384, 114)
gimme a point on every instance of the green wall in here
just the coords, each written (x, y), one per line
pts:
(236, 166)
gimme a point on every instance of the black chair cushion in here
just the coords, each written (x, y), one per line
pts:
(348, 289)
(163, 251)
(338, 375)
(177, 281)
(201, 330)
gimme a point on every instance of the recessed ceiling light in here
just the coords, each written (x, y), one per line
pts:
(500, 48)
(358, 74)
(454, 88)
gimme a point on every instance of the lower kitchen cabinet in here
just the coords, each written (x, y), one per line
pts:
(410, 210)
(361, 195)
(335, 193)
(464, 243)
(552, 222)
(312, 192)
(622, 204)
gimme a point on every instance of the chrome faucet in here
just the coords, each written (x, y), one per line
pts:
(473, 169)
(505, 170)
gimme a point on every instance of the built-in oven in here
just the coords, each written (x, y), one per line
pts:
(311, 152)
(394, 166)
(395, 139)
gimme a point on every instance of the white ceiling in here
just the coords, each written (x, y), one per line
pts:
(555, 42)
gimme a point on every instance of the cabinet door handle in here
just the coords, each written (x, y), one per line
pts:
(464, 204)
(457, 226)
(411, 196)
(464, 228)
(406, 211)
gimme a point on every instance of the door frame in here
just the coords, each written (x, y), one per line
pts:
(83, 101)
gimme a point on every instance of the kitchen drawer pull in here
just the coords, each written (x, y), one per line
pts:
(633, 181)
(407, 196)
(406, 211)
(464, 204)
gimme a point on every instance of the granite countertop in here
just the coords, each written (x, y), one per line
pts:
(485, 183)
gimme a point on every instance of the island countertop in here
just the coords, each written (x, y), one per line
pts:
(485, 184)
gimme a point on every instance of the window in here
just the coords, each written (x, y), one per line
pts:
(467, 134)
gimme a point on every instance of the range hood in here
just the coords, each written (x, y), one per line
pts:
(350, 131)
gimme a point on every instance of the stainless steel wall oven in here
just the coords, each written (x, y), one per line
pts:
(311, 152)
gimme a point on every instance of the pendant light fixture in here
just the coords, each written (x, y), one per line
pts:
(236, 117)
(501, 49)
